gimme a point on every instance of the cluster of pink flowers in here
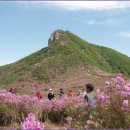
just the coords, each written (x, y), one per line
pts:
(102, 99)
(119, 88)
(107, 87)
(92, 123)
(31, 124)
(71, 106)
(61, 103)
(125, 103)
(17, 100)
(123, 90)
(33, 102)
(69, 120)
(119, 80)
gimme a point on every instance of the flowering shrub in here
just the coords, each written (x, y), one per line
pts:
(15, 108)
(69, 120)
(31, 124)
(112, 108)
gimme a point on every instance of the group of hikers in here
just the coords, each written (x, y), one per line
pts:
(87, 94)
(51, 94)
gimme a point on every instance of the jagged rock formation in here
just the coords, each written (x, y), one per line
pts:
(55, 36)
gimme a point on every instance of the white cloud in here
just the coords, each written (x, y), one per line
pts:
(124, 34)
(93, 22)
(109, 22)
(80, 5)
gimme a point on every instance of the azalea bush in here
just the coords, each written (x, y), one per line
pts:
(112, 108)
(31, 124)
(113, 103)
(15, 108)
(58, 110)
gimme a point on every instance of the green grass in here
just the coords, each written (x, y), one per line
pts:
(68, 51)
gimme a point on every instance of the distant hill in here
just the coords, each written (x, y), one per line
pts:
(65, 53)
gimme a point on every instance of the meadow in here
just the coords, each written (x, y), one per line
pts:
(27, 112)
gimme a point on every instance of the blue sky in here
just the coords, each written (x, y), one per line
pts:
(26, 26)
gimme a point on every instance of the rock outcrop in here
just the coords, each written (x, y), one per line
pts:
(55, 36)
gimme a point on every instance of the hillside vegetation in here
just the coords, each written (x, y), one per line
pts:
(65, 50)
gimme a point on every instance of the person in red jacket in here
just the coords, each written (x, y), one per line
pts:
(39, 95)
(70, 94)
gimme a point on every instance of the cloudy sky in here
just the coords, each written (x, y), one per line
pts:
(26, 26)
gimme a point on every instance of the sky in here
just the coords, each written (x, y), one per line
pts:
(25, 27)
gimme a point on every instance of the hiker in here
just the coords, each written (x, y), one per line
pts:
(39, 95)
(61, 93)
(89, 95)
(12, 90)
(70, 94)
(84, 92)
(50, 94)
(79, 93)
(35, 84)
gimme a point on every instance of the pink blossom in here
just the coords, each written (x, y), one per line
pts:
(31, 124)
(69, 120)
(125, 104)
(107, 87)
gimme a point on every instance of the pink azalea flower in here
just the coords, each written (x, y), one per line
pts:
(125, 104)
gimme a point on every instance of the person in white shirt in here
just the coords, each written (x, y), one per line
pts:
(84, 92)
(79, 93)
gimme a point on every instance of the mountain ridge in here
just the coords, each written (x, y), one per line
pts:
(65, 50)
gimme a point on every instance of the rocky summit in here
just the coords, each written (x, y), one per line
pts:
(66, 56)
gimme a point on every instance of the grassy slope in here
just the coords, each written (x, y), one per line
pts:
(68, 51)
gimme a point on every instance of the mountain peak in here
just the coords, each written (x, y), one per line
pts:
(67, 55)
(55, 36)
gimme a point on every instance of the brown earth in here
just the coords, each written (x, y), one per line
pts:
(74, 79)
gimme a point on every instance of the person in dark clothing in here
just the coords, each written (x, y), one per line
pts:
(40, 96)
(61, 93)
(12, 90)
(50, 94)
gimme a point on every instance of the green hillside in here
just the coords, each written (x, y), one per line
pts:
(65, 50)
